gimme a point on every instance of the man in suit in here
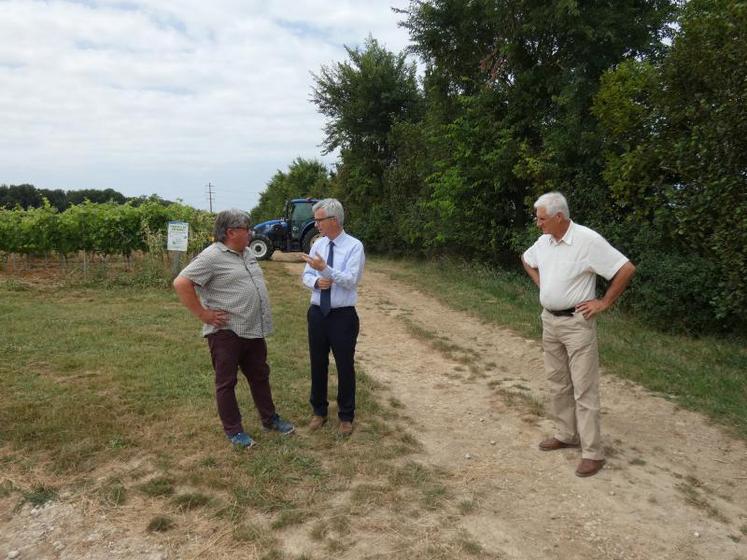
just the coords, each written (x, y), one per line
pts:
(334, 267)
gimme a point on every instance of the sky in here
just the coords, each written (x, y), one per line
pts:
(167, 97)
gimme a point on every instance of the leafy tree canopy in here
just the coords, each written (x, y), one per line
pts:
(304, 179)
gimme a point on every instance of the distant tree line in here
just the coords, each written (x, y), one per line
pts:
(28, 196)
(636, 110)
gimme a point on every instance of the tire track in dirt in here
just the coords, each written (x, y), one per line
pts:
(673, 486)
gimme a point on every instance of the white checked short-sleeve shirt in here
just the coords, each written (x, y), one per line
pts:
(568, 268)
(232, 282)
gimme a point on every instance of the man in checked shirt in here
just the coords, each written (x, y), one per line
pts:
(224, 287)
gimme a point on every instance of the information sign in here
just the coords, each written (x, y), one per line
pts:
(178, 239)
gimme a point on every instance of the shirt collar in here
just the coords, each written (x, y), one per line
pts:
(339, 239)
(226, 249)
(567, 238)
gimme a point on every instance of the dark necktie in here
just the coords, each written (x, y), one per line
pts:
(325, 299)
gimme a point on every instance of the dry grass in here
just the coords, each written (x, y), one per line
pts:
(693, 492)
(524, 402)
(466, 358)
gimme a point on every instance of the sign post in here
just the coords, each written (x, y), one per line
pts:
(178, 241)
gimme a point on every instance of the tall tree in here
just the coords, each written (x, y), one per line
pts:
(304, 179)
(676, 140)
(56, 197)
(364, 98)
(514, 82)
(25, 196)
(96, 196)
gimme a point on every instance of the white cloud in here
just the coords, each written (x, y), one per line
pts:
(147, 96)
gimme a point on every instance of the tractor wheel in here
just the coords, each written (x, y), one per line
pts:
(308, 240)
(261, 248)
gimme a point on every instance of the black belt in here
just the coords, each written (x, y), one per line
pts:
(562, 312)
(336, 308)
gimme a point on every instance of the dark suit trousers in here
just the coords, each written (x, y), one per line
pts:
(229, 352)
(338, 332)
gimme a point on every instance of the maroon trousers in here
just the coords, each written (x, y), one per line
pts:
(229, 352)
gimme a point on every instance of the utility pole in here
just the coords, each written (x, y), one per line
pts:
(210, 196)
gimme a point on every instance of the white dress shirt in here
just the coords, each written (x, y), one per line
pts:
(346, 270)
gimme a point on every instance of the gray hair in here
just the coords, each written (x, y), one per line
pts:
(233, 218)
(553, 203)
(331, 207)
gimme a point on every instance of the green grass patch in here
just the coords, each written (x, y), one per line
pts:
(250, 533)
(7, 488)
(40, 495)
(190, 501)
(439, 343)
(692, 492)
(466, 507)
(158, 487)
(468, 545)
(160, 524)
(113, 493)
(524, 402)
(290, 517)
(416, 477)
(706, 374)
(115, 379)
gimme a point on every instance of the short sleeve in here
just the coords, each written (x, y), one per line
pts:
(605, 260)
(530, 255)
(200, 270)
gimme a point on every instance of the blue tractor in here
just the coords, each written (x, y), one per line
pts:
(293, 233)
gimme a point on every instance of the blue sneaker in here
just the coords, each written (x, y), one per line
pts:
(279, 425)
(241, 440)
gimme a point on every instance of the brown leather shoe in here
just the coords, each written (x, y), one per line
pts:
(317, 422)
(552, 444)
(345, 429)
(589, 467)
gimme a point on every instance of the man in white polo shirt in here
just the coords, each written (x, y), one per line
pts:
(564, 263)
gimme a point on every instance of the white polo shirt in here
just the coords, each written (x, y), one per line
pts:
(568, 268)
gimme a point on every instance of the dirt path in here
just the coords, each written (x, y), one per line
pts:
(674, 487)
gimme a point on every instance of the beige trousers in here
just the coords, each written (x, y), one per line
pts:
(572, 366)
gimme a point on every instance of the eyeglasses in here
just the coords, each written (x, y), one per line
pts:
(317, 220)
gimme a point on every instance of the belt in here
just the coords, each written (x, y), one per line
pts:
(336, 308)
(562, 312)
